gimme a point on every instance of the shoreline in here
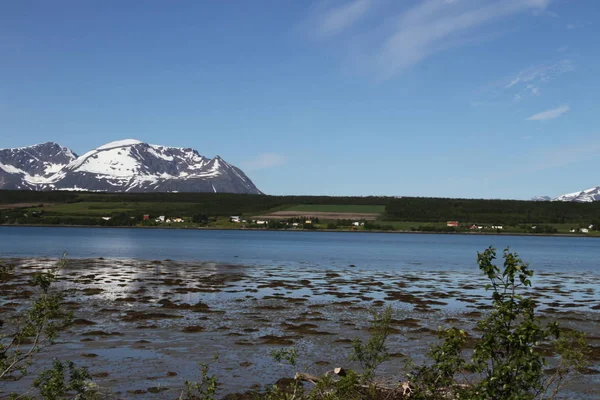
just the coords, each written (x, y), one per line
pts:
(310, 230)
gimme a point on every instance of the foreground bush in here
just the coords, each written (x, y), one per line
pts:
(505, 363)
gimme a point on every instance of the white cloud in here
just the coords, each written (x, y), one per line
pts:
(337, 19)
(264, 161)
(400, 39)
(550, 114)
(533, 89)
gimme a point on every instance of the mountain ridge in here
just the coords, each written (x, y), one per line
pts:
(127, 165)
(583, 196)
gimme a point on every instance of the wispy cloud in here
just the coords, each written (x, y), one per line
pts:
(427, 28)
(550, 114)
(264, 161)
(400, 39)
(529, 81)
(334, 20)
(542, 73)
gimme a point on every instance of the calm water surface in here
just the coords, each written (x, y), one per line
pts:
(377, 251)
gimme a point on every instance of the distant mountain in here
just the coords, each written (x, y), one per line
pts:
(122, 166)
(28, 167)
(542, 198)
(584, 196)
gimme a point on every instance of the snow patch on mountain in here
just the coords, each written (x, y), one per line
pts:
(119, 143)
(10, 169)
(115, 161)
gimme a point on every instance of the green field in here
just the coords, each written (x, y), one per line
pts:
(97, 209)
(332, 208)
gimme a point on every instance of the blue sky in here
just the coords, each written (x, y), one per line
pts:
(452, 98)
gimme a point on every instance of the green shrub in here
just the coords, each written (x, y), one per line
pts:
(505, 363)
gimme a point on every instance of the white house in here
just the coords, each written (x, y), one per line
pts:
(356, 223)
(106, 218)
(178, 220)
(259, 222)
(497, 227)
(584, 230)
(160, 219)
(234, 218)
(295, 224)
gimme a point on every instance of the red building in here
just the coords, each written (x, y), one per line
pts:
(146, 217)
(452, 223)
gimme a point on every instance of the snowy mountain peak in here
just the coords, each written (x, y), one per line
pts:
(541, 198)
(119, 143)
(132, 165)
(25, 167)
(584, 196)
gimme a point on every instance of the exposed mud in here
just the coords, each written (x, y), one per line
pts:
(142, 326)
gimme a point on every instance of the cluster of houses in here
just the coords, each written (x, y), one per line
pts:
(582, 230)
(163, 219)
(480, 227)
(500, 227)
(455, 224)
(237, 219)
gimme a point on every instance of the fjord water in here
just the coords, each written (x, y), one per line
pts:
(331, 250)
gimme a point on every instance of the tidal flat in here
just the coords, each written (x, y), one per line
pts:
(141, 327)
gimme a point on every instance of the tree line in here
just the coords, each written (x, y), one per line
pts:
(507, 212)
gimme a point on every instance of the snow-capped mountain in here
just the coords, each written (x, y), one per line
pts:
(122, 166)
(541, 198)
(584, 196)
(26, 167)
